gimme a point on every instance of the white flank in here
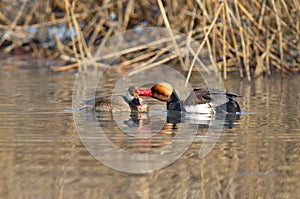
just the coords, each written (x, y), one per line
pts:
(200, 108)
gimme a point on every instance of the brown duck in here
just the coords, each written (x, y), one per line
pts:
(130, 102)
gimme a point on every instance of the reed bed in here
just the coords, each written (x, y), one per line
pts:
(250, 37)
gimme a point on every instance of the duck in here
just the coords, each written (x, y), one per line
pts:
(131, 102)
(200, 100)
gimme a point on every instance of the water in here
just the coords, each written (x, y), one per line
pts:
(42, 156)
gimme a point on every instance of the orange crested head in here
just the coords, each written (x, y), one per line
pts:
(162, 91)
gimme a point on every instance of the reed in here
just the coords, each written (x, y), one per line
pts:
(251, 37)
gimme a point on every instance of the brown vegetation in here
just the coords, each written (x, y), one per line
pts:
(252, 37)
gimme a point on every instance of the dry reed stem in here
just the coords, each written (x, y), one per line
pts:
(202, 44)
(240, 33)
(129, 9)
(287, 12)
(189, 36)
(247, 61)
(234, 41)
(262, 11)
(137, 59)
(78, 32)
(190, 50)
(14, 23)
(84, 52)
(249, 16)
(214, 65)
(166, 21)
(68, 16)
(224, 39)
(279, 31)
(144, 65)
(147, 65)
(63, 68)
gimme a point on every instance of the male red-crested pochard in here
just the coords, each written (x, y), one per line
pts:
(199, 100)
(130, 102)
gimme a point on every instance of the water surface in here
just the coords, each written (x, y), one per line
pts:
(42, 155)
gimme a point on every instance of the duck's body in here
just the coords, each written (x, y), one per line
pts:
(199, 100)
(117, 103)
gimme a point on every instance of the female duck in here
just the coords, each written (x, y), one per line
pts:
(130, 102)
(199, 101)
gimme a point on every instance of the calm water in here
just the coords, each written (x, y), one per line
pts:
(42, 155)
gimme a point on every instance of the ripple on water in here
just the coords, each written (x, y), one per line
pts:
(256, 156)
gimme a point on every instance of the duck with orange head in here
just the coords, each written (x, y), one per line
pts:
(199, 100)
